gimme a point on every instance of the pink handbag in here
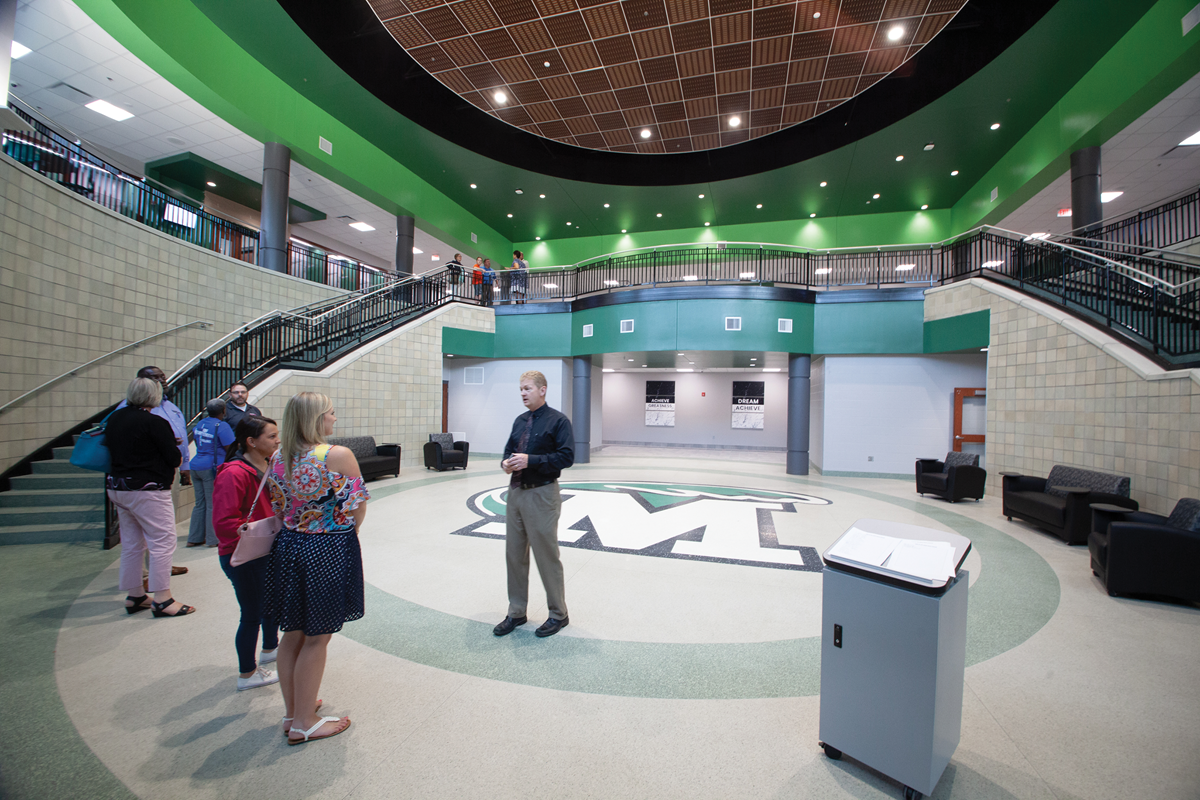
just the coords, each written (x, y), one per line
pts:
(256, 537)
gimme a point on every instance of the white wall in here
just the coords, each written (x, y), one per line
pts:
(703, 421)
(816, 413)
(894, 408)
(486, 412)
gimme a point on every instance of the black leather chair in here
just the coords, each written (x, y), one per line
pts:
(443, 453)
(373, 460)
(1137, 553)
(954, 479)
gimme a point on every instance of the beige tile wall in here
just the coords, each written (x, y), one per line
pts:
(1063, 392)
(78, 281)
(392, 391)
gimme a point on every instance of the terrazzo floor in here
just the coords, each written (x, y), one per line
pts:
(690, 669)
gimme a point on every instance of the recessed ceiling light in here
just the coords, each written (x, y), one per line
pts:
(895, 33)
(759, 205)
(953, 173)
(519, 191)
(824, 184)
(623, 230)
(606, 205)
(925, 206)
(510, 216)
(542, 196)
(417, 251)
(210, 183)
(929, 146)
(500, 97)
(568, 223)
(899, 158)
(707, 224)
(875, 197)
(995, 126)
(19, 50)
(1108, 197)
(545, 63)
(735, 121)
(701, 197)
(1190, 141)
(109, 110)
(645, 133)
(473, 186)
(537, 238)
(362, 226)
(658, 215)
(817, 15)
(812, 216)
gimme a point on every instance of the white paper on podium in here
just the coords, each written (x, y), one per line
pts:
(865, 548)
(932, 561)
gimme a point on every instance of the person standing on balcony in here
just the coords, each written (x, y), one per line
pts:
(454, 267)
(212, 435)
(477, 279)
(520, 276)
(239, 405)
(489, 278)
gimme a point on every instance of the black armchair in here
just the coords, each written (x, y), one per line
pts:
(1138, 553)
(958, 477)
(443, 453)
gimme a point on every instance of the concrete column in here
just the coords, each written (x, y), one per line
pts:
(8, 24)
(581, 408)
(799, 392)
(404, 245)
(272, 244)
(1085, 190)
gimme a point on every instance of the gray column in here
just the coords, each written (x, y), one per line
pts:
(799, 391)
(1085, 190)
(8, 24)
(581, 408)
(404, 245)
(272, 243)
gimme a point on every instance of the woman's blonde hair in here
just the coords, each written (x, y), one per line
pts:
(302, 428)
(144, 393)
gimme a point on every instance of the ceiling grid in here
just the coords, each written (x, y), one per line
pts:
(660, 76)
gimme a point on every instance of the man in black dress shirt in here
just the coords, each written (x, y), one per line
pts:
(540, 447)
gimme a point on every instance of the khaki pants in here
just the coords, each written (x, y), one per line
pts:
(532, 523)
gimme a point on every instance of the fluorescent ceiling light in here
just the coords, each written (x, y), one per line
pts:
(612, 283)
(690, 278)
(824, 271)
(435, 257)
(1190, 141)
(1108, 197)
(629, 359)
(684, 369)
(746, 275)
(895, 33)
(769, 369)
(990, 264)
(417, 251)
(606, 369)
(109, 110)
(905, 267)
(19, 50)
(983, 349)
(550, 285)
(362, 226)
(1037, 237)
(681, 354)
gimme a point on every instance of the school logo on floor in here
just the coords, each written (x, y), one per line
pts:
(666, 520)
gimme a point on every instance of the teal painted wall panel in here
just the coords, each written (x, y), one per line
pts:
(462, 342)
(879, 328)
(702, 325)
(533, 336)
(958, 333)
(654, 328)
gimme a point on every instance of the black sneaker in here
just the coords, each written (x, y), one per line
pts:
(551, 627)
(509, 625)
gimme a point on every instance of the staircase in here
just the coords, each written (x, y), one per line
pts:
(59, 502)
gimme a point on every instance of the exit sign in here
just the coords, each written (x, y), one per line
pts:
(1064, 212)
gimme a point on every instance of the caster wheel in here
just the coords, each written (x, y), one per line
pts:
(1010, 519)
(911, 794)
(831, 751)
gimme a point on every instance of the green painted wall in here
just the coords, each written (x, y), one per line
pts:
(533, 336)
(919, 227)
(462, 342)
(958, 333)
(878, 328)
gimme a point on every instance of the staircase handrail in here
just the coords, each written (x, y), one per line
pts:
(76, 370)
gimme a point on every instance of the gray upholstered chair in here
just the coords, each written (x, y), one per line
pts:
(443, 453)
(1061, 502)
(956, 478)
(373, 460)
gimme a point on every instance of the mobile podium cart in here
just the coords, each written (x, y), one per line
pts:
(893, 653)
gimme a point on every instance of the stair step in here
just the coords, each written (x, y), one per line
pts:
(63, 452)
(25, 498)
(47, 534)
(15, 516)
(59, 467)
(91, 480)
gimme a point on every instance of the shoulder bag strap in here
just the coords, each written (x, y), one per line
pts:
(261, 484)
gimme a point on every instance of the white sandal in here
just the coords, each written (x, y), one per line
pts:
(287, 728)
(308, 734)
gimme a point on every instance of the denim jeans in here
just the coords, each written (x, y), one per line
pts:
(249, 584)
(201, 530)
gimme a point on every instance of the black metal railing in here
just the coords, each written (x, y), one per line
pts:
(1159, 228)
(315, 264)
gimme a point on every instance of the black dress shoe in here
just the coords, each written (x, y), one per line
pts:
(551, 627)
(509, 625)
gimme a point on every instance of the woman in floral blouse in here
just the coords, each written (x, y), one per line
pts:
(315, 578)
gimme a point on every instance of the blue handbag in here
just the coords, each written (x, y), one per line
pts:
(90, 451)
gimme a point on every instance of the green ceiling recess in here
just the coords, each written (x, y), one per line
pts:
(194, 176)
(1081, 73)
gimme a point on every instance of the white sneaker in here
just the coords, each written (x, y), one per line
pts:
(261, 677)
(267, 656)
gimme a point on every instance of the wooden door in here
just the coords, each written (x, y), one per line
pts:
(959, 436)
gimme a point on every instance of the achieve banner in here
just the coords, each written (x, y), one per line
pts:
(748, 399)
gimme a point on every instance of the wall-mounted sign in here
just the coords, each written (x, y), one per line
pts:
(660, 404)
(748, 399)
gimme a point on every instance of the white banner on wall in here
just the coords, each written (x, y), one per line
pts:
(660, 404)
(748, 411)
